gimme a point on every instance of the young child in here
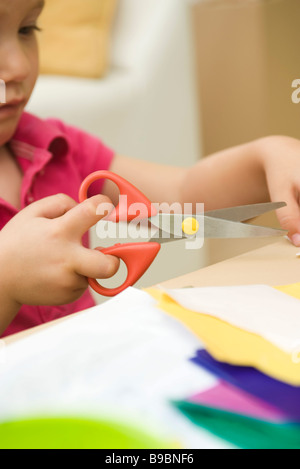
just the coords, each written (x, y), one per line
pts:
(44, 264)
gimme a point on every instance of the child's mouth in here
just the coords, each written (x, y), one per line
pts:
(11, 108)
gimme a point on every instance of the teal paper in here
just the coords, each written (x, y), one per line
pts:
(243, 432)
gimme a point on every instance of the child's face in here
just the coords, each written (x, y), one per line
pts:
(18, 59)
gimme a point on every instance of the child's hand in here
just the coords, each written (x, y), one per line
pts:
(281, 162)
(42, 260)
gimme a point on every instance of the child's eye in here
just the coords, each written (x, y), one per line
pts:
(27, 30)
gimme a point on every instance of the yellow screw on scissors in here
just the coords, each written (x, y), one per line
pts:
(190, 226)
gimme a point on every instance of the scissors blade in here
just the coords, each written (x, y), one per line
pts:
(163, 237)
(170, 228)
(245, 212)
(219, 228)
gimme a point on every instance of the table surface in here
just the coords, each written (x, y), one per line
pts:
(274, 264)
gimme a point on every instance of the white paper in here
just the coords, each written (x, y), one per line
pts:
(124, 359)
(259, 309)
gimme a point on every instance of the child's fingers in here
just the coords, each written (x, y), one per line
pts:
(94, 264)
(289, 216)
(53, 206)
(86, 214)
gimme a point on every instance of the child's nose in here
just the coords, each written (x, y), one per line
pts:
(14, 63)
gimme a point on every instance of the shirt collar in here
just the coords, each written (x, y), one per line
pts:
(37, 133)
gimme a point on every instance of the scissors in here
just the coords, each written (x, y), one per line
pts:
(138, 256)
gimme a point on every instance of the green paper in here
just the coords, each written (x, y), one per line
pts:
(242, 431)
(73, 433)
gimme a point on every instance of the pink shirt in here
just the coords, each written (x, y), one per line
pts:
(54, 158)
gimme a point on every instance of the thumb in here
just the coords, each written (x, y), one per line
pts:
(83, 216)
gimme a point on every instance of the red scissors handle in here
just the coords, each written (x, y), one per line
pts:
(135, 199)
(137, 256)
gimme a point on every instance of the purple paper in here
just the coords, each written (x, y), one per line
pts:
(232, 399)
(281, 395)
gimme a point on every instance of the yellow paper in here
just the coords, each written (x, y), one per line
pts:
(227, 343)
(292, 290)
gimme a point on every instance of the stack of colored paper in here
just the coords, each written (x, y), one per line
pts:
(252, 339)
